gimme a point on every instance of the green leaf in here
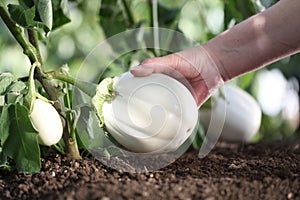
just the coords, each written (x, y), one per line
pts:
(192, 21)
(40, 13)
(112, 18)
(207, 104)
(61, 13)
(6, 79)
(198, 138)
(26, 3)
(167, 16)
(239, 10)
(11, 88)
(16, 87)
(19, 138)
(44, 10)
(245, 81)
(22, 16)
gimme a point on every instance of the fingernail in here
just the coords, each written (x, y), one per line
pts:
(138, 67)
(141, 71)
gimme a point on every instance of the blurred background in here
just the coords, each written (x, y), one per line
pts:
(275, 87)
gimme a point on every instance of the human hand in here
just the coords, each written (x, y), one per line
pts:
(193, 67)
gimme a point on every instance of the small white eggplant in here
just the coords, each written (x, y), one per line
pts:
(155, 113)
(47, 122)
(239, 112)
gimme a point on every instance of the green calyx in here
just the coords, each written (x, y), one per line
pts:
(104, 93)
(32, 95)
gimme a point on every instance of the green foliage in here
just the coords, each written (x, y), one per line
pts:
(19, 139)
(245, 81)
(274, 128)
(239, 10)
(6, 79)
(112, 19)
(24, 17)
(40, 13)
(198, 138)
(11, 88)
(61, 13)
(44, 13)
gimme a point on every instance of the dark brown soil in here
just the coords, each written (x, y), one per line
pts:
(266, 170)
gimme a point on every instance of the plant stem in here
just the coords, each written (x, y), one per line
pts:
(17, 32)
(128, 12)
(156, 26)
(33, 39)
(73, 149)
(71, 119)
(86, 87)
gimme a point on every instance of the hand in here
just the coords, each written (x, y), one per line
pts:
(193, 67)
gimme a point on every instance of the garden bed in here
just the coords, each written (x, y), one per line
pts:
(266, 170)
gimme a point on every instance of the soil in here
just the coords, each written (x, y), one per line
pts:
(265, 170)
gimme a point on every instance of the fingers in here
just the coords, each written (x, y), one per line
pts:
(141, 71)
(192, 67)
(165, 65)
(172, 65)
(152, 65)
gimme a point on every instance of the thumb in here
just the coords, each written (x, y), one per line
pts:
(140, 70)
(154, 65)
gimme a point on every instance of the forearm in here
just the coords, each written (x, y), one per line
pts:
(258, 41)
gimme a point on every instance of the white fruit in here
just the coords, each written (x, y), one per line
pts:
(150, 114)
(242, 115)
(47, 122)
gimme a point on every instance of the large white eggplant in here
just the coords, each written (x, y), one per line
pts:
(146, 114)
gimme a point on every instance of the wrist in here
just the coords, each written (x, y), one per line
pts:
(210, 68)
(218, 64)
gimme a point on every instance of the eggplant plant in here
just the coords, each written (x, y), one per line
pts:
(37, 110)
(33, 112)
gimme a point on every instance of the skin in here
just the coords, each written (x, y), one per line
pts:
(252, 44)
(104, 93)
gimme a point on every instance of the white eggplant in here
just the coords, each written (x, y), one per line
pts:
(47, 122)
(242, 115)
(147, 114)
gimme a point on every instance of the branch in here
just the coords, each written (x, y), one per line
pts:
(33, 39)
(17, 32)
(86, 87)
